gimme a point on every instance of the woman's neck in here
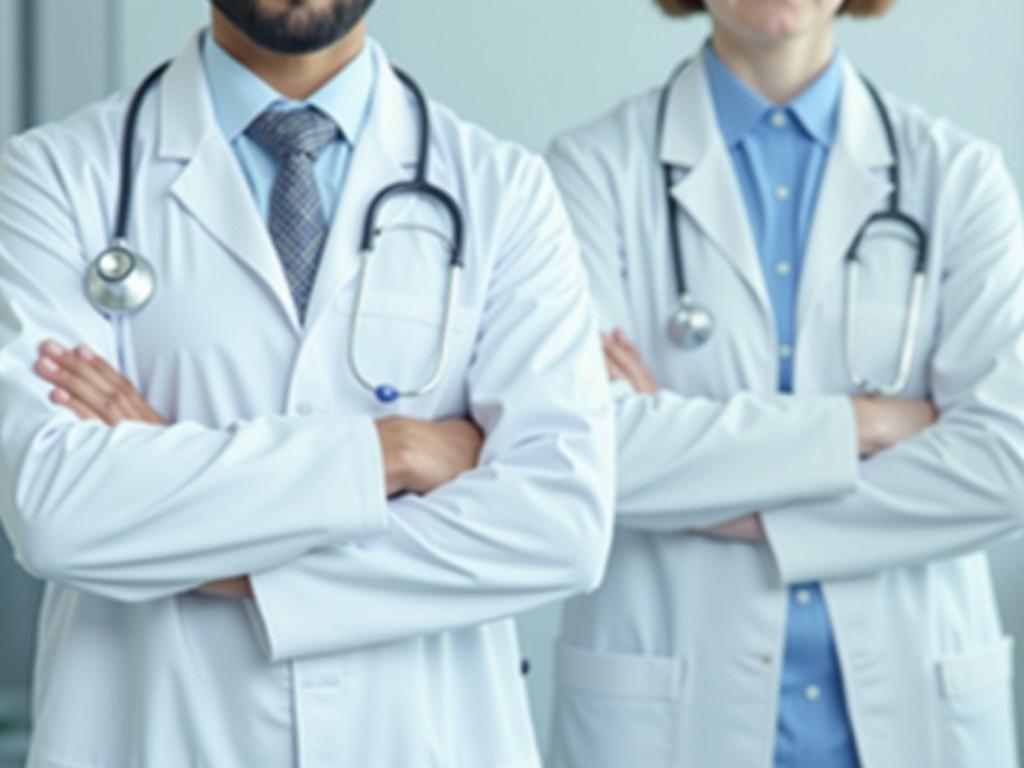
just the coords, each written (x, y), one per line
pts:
(778, 70)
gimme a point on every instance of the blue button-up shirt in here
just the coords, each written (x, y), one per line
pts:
(779, 156)
(239, 97)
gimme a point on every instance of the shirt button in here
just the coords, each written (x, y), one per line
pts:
(785, 352)
(783, 269)
(803, 596)
(304, 408)
(779, 119)
(782, 192)
(812, 693)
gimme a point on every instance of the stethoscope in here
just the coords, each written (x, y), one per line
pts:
(692, 324)
(119, 282)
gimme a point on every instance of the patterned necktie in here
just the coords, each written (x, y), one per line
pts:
(297, 225)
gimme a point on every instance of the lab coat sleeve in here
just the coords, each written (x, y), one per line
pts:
(140, 512)
(532, 523)
(692, 462)
(958, 485)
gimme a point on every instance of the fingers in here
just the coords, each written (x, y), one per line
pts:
(61, 397)
(615, 371)
(627, 347)
(624, 362)
(90, 386)
(69, 373)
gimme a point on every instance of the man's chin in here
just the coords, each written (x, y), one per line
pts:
(297, 30)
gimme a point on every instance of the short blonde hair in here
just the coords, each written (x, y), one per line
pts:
(851, 7)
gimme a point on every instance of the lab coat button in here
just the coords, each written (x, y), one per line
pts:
(304, 408)
(812, 693)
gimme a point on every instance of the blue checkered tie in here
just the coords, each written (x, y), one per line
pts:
(298, 225)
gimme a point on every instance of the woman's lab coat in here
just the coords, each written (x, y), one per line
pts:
(379, 635)
(675, 661)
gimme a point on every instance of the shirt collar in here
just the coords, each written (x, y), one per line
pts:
(240, 96)
(739, 108)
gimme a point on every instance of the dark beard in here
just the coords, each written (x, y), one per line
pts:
(277, 31)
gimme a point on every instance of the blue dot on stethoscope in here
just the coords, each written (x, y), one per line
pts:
(386, 393)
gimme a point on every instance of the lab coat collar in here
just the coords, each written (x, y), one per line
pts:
(853, 186)
(709, 192)
(212, 188)
(692, 132)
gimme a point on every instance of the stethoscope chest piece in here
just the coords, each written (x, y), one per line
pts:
(691, 325)
(119, 282)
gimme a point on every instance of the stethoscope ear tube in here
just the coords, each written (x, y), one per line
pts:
(371, 230)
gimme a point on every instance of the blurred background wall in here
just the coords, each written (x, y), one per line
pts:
(526, 70)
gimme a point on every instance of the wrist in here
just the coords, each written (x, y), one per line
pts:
(397, 453)
(869, 438)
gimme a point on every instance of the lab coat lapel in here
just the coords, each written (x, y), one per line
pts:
(709, 192)
(852, 188)
(212, 187)
(384, 154)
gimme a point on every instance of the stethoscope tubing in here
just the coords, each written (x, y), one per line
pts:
(893, 213)
(105, 294)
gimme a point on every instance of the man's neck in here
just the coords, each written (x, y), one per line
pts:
(778, 71)
(294, 75)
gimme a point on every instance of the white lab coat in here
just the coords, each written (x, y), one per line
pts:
(675, 661)
(380, 634)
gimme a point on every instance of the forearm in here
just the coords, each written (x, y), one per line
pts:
(691, 463)
(955, 488)
(139, 512)
(527, 529)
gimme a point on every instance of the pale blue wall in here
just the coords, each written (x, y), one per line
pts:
(532, 68)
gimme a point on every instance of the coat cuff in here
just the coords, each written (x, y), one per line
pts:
(797, 557)
(278, 614)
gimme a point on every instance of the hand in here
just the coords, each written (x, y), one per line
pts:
(625, 364)
(883, 422)
(747, 528)
(420, 456)
(237, 589)
(88, 386)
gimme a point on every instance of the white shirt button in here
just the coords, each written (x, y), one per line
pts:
(304, 408)
(803, 596)
(785, 351)
(779, 119)
(783, 269)
(782, 192)
(812, 693)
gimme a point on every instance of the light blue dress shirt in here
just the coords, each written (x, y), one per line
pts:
(239, 97)
(779, 155)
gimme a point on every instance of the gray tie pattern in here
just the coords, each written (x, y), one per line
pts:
(297, 225)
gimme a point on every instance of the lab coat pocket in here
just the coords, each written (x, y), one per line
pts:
(617, 709)
(399, 340)
(976, 728)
